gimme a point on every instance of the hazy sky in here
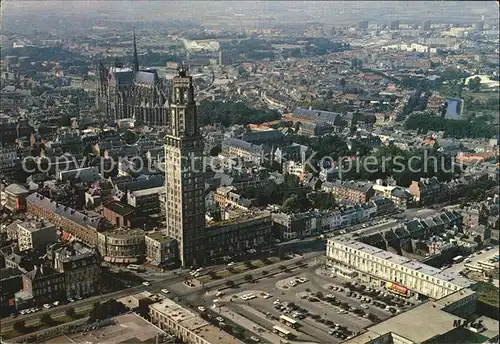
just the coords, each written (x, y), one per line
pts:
(195, 10)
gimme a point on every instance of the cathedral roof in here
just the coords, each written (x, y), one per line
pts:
(127, 77)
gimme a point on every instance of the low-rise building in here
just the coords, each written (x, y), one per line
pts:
(354, 191)
(186, 325)
(35, 235)
(160, 248)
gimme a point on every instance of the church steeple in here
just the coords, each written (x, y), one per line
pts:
(136, 59)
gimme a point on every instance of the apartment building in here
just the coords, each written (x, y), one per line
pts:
(146, 201)
(354, 191)
(232, 147)
(122, 246)
(160, 248)
(14, 197)
(398, 274)
(187, 326)
(292, 226)
(247, 233)
(426, 190)
(35, 235)
(227, 196)
(80, 266)
(44, 284)
(71, 223)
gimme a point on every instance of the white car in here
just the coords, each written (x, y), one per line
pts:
(365, 306)
(219, 294)
(219, 319)
(47, 306)
(302, 280)
(266, 296)
(201, 309)
(78, 297)
(342, 311)
(255, 339)
(56, 303)
(71, 300)
(277, 302)
(165, 291)
(230, 264)
(147, 284)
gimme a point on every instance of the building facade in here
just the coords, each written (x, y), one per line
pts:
(185, 183)
(398, 274)
(80, 265)
(35, 235)
(44, 284)
(160, 248)
(15, 197)
(71, 223)
(186, 325)
(122, 246)
(356, 192)
(248, 233)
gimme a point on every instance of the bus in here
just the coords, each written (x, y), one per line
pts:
(133, 267)
(458, 259)
(282, 332)
(487, 265)
(288, 321)
(472, 267)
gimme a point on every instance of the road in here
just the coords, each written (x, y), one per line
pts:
(172, 282)
(456, 268)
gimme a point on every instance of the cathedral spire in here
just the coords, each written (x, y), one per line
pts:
(136, 59)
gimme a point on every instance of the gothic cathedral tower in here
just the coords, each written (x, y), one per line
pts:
(184, 177)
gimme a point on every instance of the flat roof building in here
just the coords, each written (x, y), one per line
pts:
(186, 325)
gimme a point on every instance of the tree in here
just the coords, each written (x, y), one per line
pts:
(474, 84)
(230, 283)
(215, 150)
(70, 312)
(264, 272)
(46, 319)
(248, 277)
(20, 326)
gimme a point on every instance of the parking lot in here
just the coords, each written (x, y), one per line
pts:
(322, 309)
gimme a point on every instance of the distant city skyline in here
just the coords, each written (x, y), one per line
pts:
(325, 12)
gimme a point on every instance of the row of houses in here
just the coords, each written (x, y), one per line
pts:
(299, 225)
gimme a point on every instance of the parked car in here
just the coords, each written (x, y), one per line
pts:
(147, 284)
(165, 291)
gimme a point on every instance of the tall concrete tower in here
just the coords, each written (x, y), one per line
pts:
(184, 184)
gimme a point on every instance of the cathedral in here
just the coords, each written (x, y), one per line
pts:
(133, 93)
